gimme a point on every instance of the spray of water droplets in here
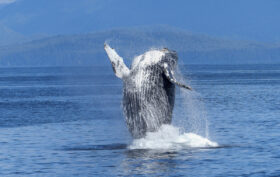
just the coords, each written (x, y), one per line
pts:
(190, 113)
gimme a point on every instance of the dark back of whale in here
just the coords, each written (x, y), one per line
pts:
(148, 105)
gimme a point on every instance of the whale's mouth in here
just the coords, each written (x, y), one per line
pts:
(169, 137)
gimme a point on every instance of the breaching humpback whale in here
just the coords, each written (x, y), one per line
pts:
(148, 88)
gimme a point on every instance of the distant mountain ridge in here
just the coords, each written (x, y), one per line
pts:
(8, 36)
(245, 20)
(87, 49)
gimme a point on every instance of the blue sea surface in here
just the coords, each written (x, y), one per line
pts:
(67, 121)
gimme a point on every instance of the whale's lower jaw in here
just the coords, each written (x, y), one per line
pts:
(139, 122)
(139, 128)
(150, 106)
(142, 118)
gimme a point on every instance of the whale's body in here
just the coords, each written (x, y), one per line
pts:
(148, 99)
(148, 89)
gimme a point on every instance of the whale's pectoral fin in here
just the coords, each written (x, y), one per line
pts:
(170, 76)
(118, 65)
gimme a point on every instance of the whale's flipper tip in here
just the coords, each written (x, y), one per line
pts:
(119, 67)
(188, 87)
(170, 76)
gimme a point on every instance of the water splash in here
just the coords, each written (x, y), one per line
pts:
(190, 113)
(169, 137)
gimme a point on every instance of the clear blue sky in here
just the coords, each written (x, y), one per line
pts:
(236, 19)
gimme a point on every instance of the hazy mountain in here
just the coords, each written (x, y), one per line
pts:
(8, 36)
(235, 19)
(87, 49)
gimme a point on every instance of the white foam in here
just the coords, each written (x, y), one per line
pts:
(148, 58)
(169, 137)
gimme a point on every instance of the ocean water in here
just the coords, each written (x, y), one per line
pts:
(67, 121)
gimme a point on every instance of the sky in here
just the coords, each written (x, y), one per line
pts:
(256, 20)
(7, 1)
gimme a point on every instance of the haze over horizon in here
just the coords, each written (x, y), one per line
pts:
(72, 33)
(255, 20)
